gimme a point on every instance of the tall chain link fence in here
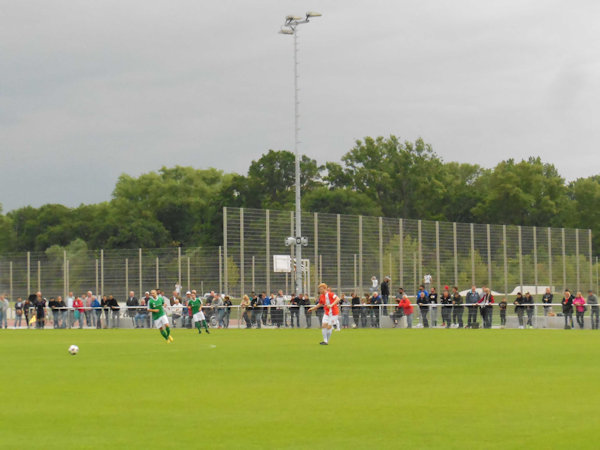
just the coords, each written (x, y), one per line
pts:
(346, 251)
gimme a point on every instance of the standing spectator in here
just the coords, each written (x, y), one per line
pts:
(427, 279)
(258, 310)
(244, 306)
(398, 313)
(408, 310)
(62, 307)
(421, 289)
(295, 309)
(345, 306)
(115, 309)
(18, 312)
(185, 310)
(277, 313)
(485, 304)
(176, 309)
(28, 306)
(528, 301)
(580, 307)
(69, 310)
(423, 303)
(90, 316)
(433, 306)
(502, 307)
(78, 312)
(547, 301)
(471, 300)
(567, 307)
(307, 313)
(106, 309)
(40, 311)
(446, 302)
(218, 304)
(132, 303)
(266, 308)
(375, 309)
(385, 294)
(364, 310)
(319, 312)
(520, 309)
(174, 296)
(374, 283)
(457, 308)
(355, 309)
(4, 311)
(53, 305)
(593, 302)
(140, 314)
(227, 305)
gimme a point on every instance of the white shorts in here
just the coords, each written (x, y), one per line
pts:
(331, 320)
(199, 316)
(161, 321)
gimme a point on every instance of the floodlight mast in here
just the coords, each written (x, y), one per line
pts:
(290, 26)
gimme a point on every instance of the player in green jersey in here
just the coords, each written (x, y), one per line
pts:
(197, 315)
(159, 317)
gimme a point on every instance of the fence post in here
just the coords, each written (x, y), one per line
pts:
(102, 272)
(28, 273)
(355, 268)
(39, 276)
(401, 250)
(535, 259)
(220, 271)
(420, 249)
(157, 273)
(381, 275)
(550, 259)
(189, 273)
(489, 255)
(472, 227)
(97, 285)
(225, 259)
(520, 259)
(577, 258)
(416, 280)
(242, 256)
(597, 278)
(455, 255)
(179, 266)
(321, 267)
(268, 249)
(316, 249)
(505, 260)
(339, 255)
(564, 258)
(10, 277)
(292, 254)
(437, 257)
(126, 277)
(253, 285)
(591, 259)
(360, 255)
(141, 286)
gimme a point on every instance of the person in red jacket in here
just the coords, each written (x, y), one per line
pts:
(408, 310)
(78, 311)
(486, 308)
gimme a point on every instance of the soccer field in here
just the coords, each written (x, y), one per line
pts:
(280, 389)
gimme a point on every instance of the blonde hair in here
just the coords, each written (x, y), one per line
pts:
(323, 285)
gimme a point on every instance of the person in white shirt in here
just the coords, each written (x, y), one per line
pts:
(374, 284)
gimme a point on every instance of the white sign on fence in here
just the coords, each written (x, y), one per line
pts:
(282, 263)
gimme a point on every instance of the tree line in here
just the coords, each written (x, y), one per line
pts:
(378, 176)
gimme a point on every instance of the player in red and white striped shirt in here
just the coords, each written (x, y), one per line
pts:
(329, 301)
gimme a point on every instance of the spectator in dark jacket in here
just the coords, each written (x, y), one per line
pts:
(355, 301)
(132, 303)
(114, 307)
(567, 309)
(423, 303)
(471, 300)
(520, 309)
(53, 305)
(385, 294)
(433, 299)
(593, 302)
(446, 305)
(528, 301)
(458, 308)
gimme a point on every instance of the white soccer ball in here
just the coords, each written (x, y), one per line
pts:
(73, 349)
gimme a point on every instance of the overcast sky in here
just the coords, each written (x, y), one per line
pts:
(90, 89)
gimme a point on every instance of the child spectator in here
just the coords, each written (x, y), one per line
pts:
(408, 310)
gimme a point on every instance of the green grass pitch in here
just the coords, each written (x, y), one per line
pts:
(280, 389)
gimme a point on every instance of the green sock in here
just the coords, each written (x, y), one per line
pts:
(199, 326)
(205, 325)
(168, 331)
(164, 334)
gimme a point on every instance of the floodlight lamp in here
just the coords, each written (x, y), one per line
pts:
(286, 30)
(313, 14)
